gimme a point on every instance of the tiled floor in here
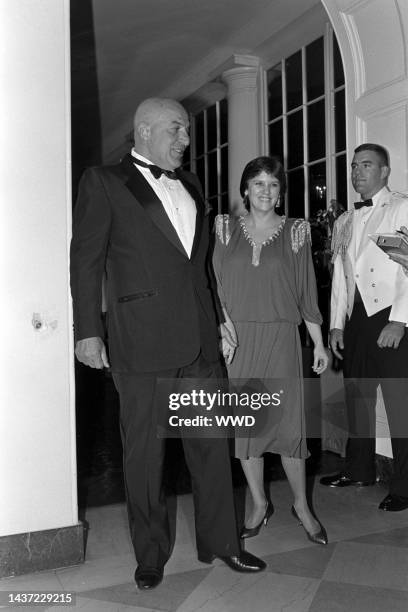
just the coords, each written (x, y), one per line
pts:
(363, 569)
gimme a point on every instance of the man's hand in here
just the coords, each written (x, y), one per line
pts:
(336, 342)
(391, 335)
(401, 258)
(92, 352)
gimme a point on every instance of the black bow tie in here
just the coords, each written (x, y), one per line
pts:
(358, 205)
(156, 170)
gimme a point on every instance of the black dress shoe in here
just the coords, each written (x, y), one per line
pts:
(244, 562)
(250, 532)
(148, 577)
(394, 503)
(342, 480)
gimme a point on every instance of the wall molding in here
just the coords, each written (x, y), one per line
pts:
(24, 553)
(356, 50)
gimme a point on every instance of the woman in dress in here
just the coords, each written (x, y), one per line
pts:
(266, 283)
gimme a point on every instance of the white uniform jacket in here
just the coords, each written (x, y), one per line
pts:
(380, 281)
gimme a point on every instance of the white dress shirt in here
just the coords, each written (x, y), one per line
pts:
(362, 216)
(177, 202)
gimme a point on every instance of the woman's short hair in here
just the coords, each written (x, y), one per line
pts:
(271, 165)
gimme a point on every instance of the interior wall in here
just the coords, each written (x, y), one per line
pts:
(373, 36)
(37, 426)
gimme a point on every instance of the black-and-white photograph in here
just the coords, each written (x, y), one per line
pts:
(204, 272)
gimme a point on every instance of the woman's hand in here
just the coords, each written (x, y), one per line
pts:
(227, 350)
(227, 329)
(321, 359)
(229, 340)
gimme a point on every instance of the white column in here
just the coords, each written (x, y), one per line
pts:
(37, 422)
(243, 123)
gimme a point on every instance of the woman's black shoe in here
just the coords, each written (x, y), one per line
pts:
(250, 532)
(320, 537)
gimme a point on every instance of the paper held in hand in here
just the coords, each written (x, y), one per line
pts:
(391, 243)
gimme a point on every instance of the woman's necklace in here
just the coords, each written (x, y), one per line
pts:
(257, 246)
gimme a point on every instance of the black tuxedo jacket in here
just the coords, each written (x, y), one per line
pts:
(160, 305)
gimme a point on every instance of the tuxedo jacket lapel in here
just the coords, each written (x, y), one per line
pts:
(147, 198)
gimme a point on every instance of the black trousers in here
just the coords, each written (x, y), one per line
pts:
(365, 367)
(208, 460)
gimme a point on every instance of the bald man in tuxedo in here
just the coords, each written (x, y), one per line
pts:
(143, 222)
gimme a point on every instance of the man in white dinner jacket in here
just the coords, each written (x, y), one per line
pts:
(369, 315)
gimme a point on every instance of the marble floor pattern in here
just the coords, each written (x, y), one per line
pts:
(363, 569)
